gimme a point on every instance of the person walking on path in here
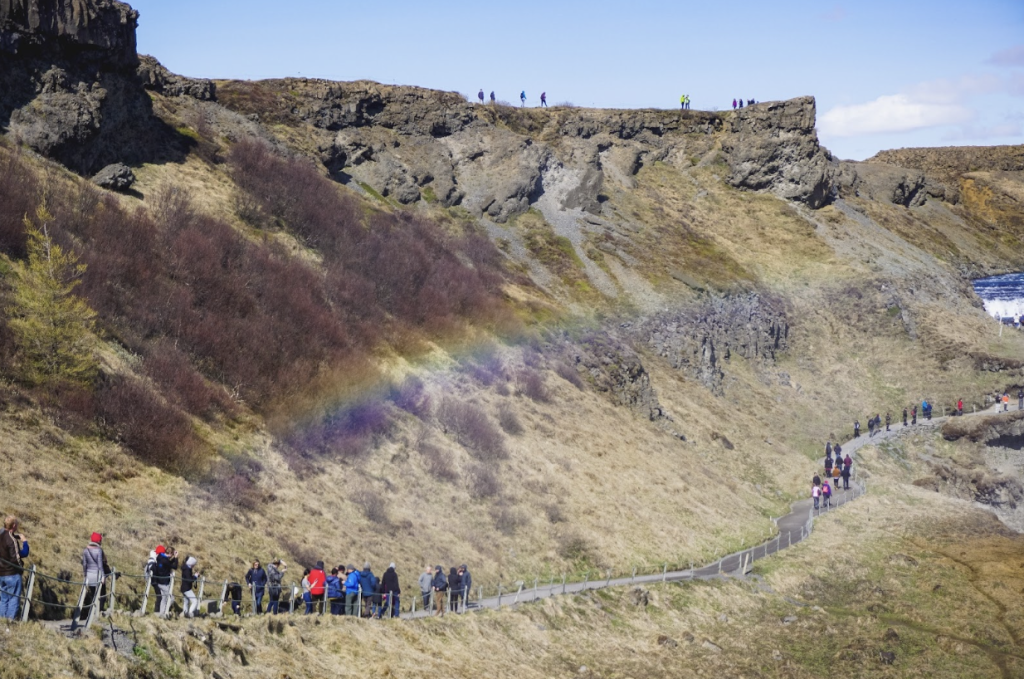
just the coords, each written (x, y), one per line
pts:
(888, 419)
(1020, 399)
(836, 472)
(439, 585)
(959, 409)
(826, 493)
(828, 466)
(13, 551)
(828, 448)
(351, 591)
(467, 584)
(426, 586)
(480, 95)
(1006, 401)
(856, 429)
(913, 415)
(837, 451)
(816, 494)
(522, 98)
(317, 585)
(492, 97)
(904, 417)
(189, 575)
(455, 589)
(544, 99)
(162, 569)
(816, 481)
(391, 590)
(846, 473)
(256, 578)
(275, 573)
(94, 572)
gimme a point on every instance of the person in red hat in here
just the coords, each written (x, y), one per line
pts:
(164, 565)
(94, 572)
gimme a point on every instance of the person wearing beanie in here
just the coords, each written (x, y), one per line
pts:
(440, 586)
(367, 588)
(390, 589)
(166, 564)
(467, 583)
(454, 589)
(189, 575)
(275, 573)
(351, 591)
(94, 572)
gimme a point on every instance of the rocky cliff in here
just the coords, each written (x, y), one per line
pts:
(101, 31)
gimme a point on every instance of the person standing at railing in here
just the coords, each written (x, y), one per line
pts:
(162, 569)
(440, 586)
(189, 574)
(335, 594)
(351, 591)
(467, 583)
(318, 585)
(426, 586)
(307, 598)
(391, 590)
(275, 573)
(856, 428)
(454, 589)
(13, 550)
(257, 579)
(367, 588)
(826, 492)
(94, 572)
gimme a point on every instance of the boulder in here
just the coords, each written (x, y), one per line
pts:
(156, 78)
(116, 177)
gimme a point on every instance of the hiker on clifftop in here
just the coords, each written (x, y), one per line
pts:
(543, 98)
(426, 578)
(467, 582)
(816, 481)
(1006, 401)
(904, 417)
(837, 451)
(733, 104)
(480, 95)
(455, 587)
(13, 549)
(492, 96)
(522, 98)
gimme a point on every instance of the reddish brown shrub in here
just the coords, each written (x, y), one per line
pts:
(19, 196)
(531, 385)
(472, 429)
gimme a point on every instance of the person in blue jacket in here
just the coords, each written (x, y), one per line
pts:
(334, 592)
(368, 588)
(352, 591)
(257, 580)
(13, 549)
(522, 98)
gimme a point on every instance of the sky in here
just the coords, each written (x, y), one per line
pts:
(886, 74)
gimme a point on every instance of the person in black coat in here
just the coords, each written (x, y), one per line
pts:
(390, 589)
(455, 586)
(440, 585)
(257, 580)
(467, 583)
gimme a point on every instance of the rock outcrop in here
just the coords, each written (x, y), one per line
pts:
(948, 164)
(615, 369)
(698, 340)
(116, 177)
(773, 146)
(101, 31)
(155, 77)
(888, 183)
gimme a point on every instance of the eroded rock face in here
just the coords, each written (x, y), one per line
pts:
(155, 77)
(888, 183)
(697, 341)
(617, 370)
(103, 29)
(774, 147)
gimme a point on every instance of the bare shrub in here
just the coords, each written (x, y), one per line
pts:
(372, 504)
(306, 556)
(438, 462)
(347, 434)
(472, 428)
(507, 519)
(502, 389)
(18, 197)
(483, 482)
(411, 396)
(575, 548)
(531, 385)
(569, 374)
(554, 513)
(182, 384)
(509, 421)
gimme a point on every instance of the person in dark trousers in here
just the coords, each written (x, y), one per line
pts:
(1020, 399)
(307, 598)
(846, 476)
(888, 419)
(367, 588)
(391, 590)
(426, 583)
(275, 574)
(13, 550)
(439, 585)
(856, 428)
(189, 575)
(235, 592)
(455, 589)
(480, 95)
(733, 104)
(904, 417)
(826, 493)
(828, 466)
(828, 448)
(959, 410)
(94, 572)
(816, 494)
(163, 567)
(335, 593)
(351, 591)
(837, 451)
(492, 96)
(467, 584)
(256, 578)
(522, 98)
(913, 415)
(543, 98)
(816, 481)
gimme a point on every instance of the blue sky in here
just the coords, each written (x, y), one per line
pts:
(885, 74)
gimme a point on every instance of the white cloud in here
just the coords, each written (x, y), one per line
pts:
(1011, 56)
(890, 113)
(935, 103)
